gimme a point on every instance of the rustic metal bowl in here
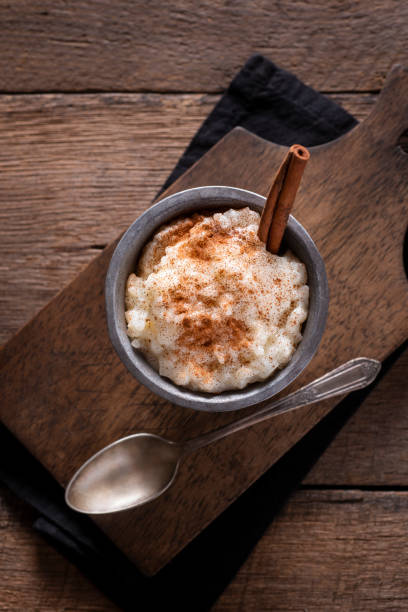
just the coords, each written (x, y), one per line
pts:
(124, 260)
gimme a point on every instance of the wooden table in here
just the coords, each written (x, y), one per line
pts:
(142, 77)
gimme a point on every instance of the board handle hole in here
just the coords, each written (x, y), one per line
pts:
(405, 253)
(402, 141)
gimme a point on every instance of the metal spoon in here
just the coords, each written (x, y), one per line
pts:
(135, 470)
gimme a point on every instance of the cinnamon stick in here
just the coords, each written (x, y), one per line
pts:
(281, 197)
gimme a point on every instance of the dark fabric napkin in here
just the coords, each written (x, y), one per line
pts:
(275, 105)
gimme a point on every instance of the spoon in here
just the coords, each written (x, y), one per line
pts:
(135, 470)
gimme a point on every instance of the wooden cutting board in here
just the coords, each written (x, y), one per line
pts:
(66, 394)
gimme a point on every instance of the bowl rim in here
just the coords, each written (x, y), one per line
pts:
(189, 200)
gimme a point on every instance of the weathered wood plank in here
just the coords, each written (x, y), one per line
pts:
(328, 550)
(75, 171)
(34, 576)
(180, 46)
(70, 164)
(372, 449)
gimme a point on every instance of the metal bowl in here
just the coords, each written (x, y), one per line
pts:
(124, 260)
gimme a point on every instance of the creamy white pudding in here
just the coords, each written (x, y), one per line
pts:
(211, 308)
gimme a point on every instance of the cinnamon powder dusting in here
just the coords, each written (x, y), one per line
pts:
(204, 332)
(167, 236)
(206, 245)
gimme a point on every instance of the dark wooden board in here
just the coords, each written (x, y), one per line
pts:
(67, 394)
(150, 45)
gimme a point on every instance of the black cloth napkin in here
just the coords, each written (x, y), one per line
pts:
(275, 105)
(271, 103)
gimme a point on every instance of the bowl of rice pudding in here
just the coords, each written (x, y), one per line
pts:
(201, 313)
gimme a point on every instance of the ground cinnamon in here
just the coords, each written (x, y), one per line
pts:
(281, 197)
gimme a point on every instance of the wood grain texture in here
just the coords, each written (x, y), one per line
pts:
(328, 550)
(181, 46)
(372, 449)
(350, 49)
(80, 409)
(75, 171)
(34, 576)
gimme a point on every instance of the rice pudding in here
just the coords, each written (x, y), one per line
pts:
(210, 307)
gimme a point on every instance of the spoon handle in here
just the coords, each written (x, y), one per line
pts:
(352, 375)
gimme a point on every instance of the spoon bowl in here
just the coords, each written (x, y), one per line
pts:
(130, 472)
